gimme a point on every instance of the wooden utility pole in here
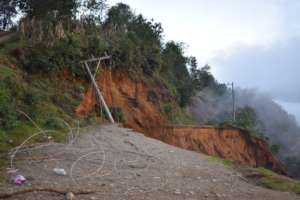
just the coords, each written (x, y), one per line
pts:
(98, 92)
(233, 102)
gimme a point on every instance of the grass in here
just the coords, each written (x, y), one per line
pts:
(12, 138)
(269, 180)
(11, 43)
(45, 99)
(176, 115)
(6, 72)
(229, 164)
(265, 171)
(17, 136)
(274, 181)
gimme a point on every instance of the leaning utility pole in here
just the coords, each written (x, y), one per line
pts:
(92, 77)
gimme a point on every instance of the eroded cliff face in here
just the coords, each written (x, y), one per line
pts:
(140, 104)
(229, 143)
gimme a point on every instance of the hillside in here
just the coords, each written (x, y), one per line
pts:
(141, 104)
(46, 97)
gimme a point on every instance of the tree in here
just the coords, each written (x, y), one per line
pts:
(275, 148)
(48, 8)
(174, 69)
(194, 68)
(119, 16)
(93, 9)
(7, 12)
(246, 118)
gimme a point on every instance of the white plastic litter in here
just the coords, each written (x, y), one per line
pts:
(60, 171)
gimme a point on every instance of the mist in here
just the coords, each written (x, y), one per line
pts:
(274, 69)
(277, 126)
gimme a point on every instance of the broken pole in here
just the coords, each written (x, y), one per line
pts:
(111, 119)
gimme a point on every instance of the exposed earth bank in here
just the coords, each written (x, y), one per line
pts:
(229, 143)
(140, 103)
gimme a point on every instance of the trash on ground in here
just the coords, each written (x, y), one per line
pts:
(60, 171)
(177, 191)
(70, 196)
(19, 180)
(12, 171)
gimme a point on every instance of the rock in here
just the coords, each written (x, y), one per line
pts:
(70, 196)
(93, 198)
(218, 195)
(137, 174)
(214, 180)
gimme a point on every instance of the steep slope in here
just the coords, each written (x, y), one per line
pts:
(142, 112)
(138, 101)
(229, 143)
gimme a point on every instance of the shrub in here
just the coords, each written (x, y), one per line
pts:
(275, 148)
(6, 72)
(38, 59)
(117, 114)
(168, 110)
(8, 116)
(54, 123)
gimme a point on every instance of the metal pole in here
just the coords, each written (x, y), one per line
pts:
(99, 93)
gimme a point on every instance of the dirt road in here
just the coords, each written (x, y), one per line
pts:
(117, 164)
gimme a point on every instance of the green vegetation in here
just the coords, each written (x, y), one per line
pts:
(177, 115)
(274, 181)
(246, 118)
(135, 43)
(40, 72)
(49, 101)
(269, 178)
(40, 68)
(6, 72)
(275, 148)
(292, 164)
(118, 114)
(227, 163)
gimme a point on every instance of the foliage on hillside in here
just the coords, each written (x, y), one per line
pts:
(274, 181)
(41, 74)
(135, 43)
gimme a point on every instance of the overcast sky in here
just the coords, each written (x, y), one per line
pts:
(255, 43)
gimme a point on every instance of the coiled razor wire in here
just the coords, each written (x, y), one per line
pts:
(140, 156)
